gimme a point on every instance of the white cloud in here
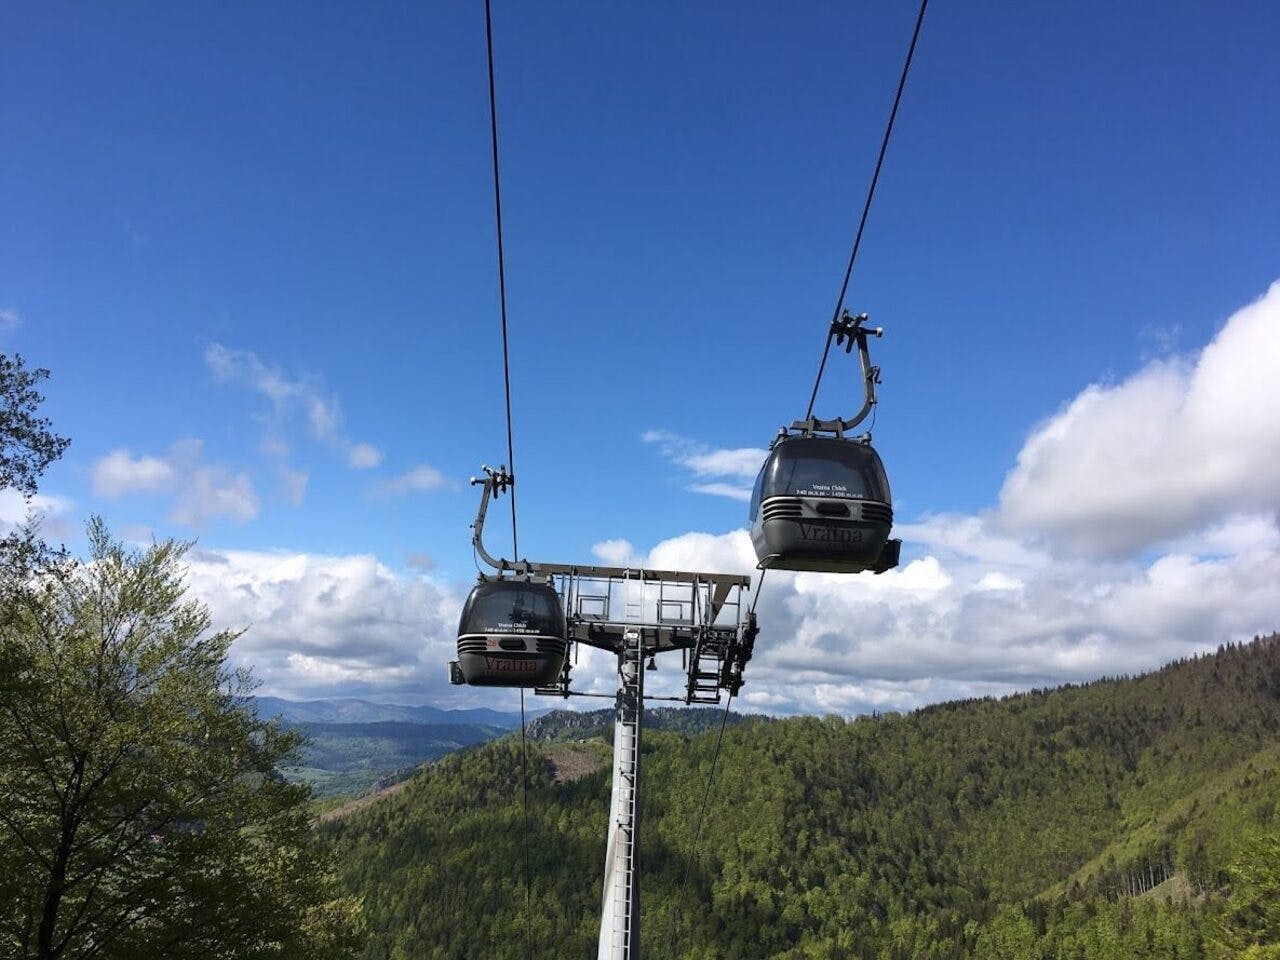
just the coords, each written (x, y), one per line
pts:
(47, 510)
(320, 625)
(965, 537)
(290, 397)
(119, 474)
(198, 491)
(364, 456)
(995, 580)
(292, 483)
(742, 462)
(728, 490)
(420, 479)
(1179, 445)
(930, 630)
(727, 472)
(615, 553)
(9, 320)
(717, 553)
(981, 606)
(967, 626)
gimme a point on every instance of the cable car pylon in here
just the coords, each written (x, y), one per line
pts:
(509, 636)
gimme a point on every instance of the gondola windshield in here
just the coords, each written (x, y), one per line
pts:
(822, 467)
(516, 607)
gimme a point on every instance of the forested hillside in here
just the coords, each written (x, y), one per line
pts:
(1128, 818)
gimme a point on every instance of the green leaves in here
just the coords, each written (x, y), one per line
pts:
(27, 444)
(141, 812)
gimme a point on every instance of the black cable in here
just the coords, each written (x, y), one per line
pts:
(511, 457)
(502, 272)
(759, 589)
(697, 835)
(866, 207)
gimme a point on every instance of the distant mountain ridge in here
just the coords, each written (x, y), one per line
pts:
(348, 759)
(356, 745)
(352, 710)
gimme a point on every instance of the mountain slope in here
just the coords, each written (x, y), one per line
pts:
(1022, 828)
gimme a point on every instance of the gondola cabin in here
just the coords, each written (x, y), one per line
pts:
(511, 634)
(823, 504)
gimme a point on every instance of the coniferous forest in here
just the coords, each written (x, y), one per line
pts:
(1126, 818)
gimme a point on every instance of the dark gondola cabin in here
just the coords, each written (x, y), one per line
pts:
(823, 504)
(511, 634)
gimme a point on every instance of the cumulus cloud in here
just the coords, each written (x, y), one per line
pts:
(616, 553)
(933, 629)
(420, 479)
(977, 620)
(47, 511)
(1181, 444)
(198, 491)
(321, 625)
(9, 320)
(290, 398)
(119, 473)
(1039, 590)
(725, 472)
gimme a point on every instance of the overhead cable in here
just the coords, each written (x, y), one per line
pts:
(866, 207)
(502, 272)
(511, 455)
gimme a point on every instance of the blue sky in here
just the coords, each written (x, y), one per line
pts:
(255, 245)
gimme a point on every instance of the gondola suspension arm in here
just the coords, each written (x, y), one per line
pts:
(849, 332)
(495, 482)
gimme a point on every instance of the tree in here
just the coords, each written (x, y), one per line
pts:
(27, 447)
(27, 444)
(141, 814)
(1252, 921)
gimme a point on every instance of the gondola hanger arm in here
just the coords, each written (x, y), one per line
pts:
(849, 332)
(495, 482)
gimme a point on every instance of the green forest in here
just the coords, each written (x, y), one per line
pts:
(1125, 818)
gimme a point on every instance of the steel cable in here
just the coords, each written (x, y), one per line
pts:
(511, 457)
(866, 207)
(502, 273)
